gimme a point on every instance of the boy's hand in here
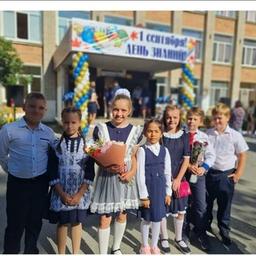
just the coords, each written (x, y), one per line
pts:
(168, 200)
(193, 168)
(145, 203)
(200, 171)
(234, 176)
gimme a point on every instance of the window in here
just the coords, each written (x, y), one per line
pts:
(251, 16)
(65, 19)
(161, 84)
(199, 41)
(249, 53)
(35, 72)
(222, 49)
(158, 27)
(219, 92)
(118, 20)
(23, 25)
(230, 14)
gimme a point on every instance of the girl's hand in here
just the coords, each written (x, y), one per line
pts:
(76, 198)
(145, 203)
(126, 176)
(176, 184)
(117, 168)
(167, 200)
(65, 198)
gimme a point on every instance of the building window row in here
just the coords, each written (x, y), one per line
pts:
(251, 16)
(222, 49)
(118, 20)
(23, 25)
(249, 53)
(229, 14)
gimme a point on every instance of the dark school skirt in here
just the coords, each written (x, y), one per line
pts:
(68, 217)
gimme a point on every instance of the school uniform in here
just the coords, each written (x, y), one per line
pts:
(110, 195)
(178, 147)
(196, 212)
(23, 154)
(226, 145)
(153, 179)
(73, 168)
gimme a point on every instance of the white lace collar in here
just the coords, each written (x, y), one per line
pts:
(174, 135)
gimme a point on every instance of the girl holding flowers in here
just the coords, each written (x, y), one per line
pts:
(114, 191)
(71, 173)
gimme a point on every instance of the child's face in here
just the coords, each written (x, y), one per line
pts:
(153, 133)
(71, 124)
(172, 119)
(220, 122)
(193, 122)
(34, 110)
(120, 111)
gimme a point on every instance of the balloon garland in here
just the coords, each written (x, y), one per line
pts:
(82, 87)
(188, 79)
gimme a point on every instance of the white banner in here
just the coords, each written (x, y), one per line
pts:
(97, 37)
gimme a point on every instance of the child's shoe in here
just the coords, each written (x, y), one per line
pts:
(155, 250)
(182, 246)
(145, 250)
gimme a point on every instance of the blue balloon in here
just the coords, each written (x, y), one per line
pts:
(88, 35)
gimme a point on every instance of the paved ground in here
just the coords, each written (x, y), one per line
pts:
(243, 221)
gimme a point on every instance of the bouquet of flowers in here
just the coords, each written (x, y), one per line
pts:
(108, 153)
(198, 149)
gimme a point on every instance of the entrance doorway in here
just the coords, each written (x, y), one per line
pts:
(131, 83)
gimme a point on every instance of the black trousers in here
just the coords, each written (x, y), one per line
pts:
(219, 186)
(25, 202)
(196, 211)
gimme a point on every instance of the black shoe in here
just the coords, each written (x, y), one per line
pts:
(164, 248)
(225, 239)
(117, 251)
(182, 246)
(209, 229)
(204, 242)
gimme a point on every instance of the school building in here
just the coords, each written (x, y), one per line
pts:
(225, 67)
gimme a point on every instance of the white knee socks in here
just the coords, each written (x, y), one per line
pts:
(119, 229)
(155, 233)
(178, 229)
(103, 240)
(144, 230)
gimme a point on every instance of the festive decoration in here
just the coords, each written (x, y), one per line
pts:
(187, 93)
(82, 89)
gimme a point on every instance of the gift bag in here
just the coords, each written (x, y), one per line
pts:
(184, 190)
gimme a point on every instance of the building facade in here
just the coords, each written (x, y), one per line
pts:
(225, 67)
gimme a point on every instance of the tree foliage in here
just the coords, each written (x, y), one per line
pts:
(10, 63)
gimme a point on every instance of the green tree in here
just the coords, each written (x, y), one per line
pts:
(10, 63)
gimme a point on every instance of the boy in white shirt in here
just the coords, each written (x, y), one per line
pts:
(230, 148)
(196, 212)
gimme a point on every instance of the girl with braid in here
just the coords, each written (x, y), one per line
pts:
(71, 174)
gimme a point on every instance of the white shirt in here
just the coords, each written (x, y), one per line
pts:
(24, 151)
(155, 148)
(227, 146)
(209, 153)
